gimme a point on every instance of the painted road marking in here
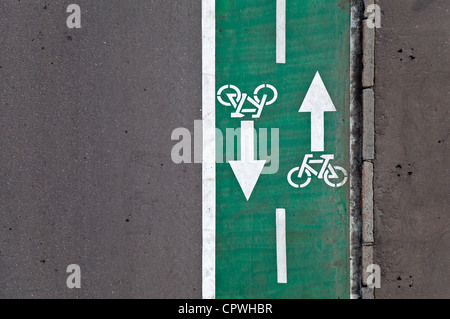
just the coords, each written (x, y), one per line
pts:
(209, 150)
(317, 102)
(237, 99)
(248, 169)
(328, 172)
(281, 31)
(248, 263)
(281, 245)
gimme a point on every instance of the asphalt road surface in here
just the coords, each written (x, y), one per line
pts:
(86, 171)
(412, 221)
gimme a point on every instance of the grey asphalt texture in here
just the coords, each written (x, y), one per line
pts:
(412, 121)
(85, 151)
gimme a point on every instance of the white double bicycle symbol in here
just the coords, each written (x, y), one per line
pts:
(230, 95)
(328, 172)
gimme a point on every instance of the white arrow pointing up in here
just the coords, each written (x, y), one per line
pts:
(247, 170)
(317, 102)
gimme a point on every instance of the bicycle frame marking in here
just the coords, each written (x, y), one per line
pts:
(238, 99)
(326, 172)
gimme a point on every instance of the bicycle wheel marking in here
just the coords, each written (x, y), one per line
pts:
(303, 251)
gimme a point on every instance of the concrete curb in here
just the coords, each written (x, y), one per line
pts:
(367, 228)
(368, 56)
(368, 139)
(368, 151)
(367, 204)
(367, 260)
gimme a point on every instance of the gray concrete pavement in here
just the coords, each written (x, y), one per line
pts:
(86, 174)
(412, 230)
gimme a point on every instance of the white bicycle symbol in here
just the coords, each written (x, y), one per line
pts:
(237, 99)
(328, 172)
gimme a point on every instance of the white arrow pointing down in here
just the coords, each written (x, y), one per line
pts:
(247, 170)
(317, 102)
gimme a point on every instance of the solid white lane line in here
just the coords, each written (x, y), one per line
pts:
(281, 31)
(281, 246)
(209, 149)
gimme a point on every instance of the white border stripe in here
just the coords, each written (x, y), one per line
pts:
(281, 31)
(209, 149)
(281, 245)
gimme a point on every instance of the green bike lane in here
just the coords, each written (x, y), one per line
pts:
(317, 221)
